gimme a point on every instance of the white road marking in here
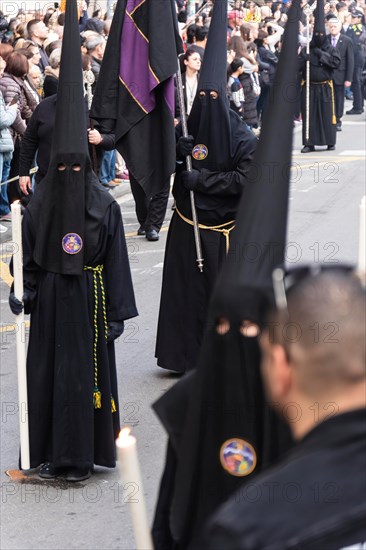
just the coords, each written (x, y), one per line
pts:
(352, 122)
(306, 190)
(355, 153)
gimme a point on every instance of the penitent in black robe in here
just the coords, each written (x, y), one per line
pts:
(322, 124)
(185, 291)
(64, 427)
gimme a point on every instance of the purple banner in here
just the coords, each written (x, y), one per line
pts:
(135, 71)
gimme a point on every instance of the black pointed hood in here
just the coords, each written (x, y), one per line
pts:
(319, 35)
(209, 121)
(70, 121)
(259, 240)
(63, 198)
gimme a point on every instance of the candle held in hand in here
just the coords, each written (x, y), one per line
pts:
(130, 473)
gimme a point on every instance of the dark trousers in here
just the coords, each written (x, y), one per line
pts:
(356, 85)
(262, 102)
(150, 212)
(339, 100)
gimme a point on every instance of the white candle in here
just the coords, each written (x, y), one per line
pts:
(16, 219)
(130, 473)
(362, 238)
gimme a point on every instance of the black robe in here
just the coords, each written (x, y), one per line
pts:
(185, 291)
(322, 125)
(64, 427)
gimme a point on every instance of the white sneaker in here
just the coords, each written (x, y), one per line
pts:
(3, 229)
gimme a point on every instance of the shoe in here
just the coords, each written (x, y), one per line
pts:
(49, 471)
(108, 186)
(308, 149)
(349, 96)
(152, 235)
(3, 229)
(77, 474)
(141, 231)
(331, 148)
(6, 218)
(354, 112)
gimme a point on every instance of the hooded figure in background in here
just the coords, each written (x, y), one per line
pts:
(222, 432)
(323, 60)
(78, 290)
(222, 147)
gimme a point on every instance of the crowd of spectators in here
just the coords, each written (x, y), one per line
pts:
(30, 56)
(30, 53)
(255, 32)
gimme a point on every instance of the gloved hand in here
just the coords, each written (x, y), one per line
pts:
(190, 179)
(318, 52)
(185, 146)
(115, 329)
(306, 56)
(16, 305)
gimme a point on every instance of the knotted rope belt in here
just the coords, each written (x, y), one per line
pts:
(98, 284)
(219, 228)
(330, 82)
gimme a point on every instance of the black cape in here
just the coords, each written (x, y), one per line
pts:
(185, 291)
(64, 427)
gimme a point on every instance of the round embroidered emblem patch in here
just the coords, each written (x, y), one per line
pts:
(200, 152)
(72, 243)
(238, 457)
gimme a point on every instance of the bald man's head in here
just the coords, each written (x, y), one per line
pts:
(323, 331)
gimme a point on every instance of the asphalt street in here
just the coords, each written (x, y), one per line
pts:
(326, 191)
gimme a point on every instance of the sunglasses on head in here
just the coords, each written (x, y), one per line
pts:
(286, 279)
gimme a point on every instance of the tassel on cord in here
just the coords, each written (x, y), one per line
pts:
(113, 405)
(334, 118)
(97, 397)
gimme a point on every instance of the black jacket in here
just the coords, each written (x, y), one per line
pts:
(357, 33)
(43, 62)
(38, 139)
(267, 56)
(345, 49)
(314, 500)
(250, 115)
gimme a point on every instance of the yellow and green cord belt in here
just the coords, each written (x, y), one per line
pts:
(222, 228)
(98, 284)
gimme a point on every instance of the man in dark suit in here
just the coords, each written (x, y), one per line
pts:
(342, 76)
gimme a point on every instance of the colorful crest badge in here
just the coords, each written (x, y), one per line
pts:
(72, 243)
(200, 152)
(238, 457)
